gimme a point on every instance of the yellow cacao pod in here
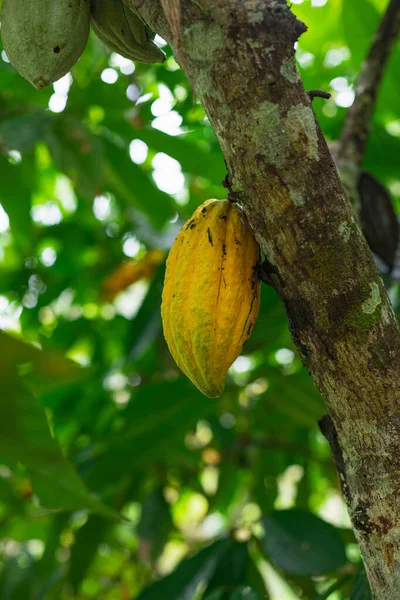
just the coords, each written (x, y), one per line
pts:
(44, 38)
(211, 294)
(122, 31)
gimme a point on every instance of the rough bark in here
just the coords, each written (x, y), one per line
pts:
(239, 56)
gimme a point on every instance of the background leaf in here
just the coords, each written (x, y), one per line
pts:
(360, 589)
(302, 544)
(183, 583)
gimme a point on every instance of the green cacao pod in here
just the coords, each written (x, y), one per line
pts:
(43, 39)
(211, 294)
(123, 32)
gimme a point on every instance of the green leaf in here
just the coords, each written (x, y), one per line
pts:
(24, 432)
(359, 28)
(48, 574)
(380, 157)
(233, 481)
(17, 577)
(337, 585)
(15, 197)
(302, 544)
(131, 184)
(87, 540)
(192, 157)
(361, 589)
(46, 366)
(157, 418)
(78, 153)
(25, 437)
(182, 583)
(242, 593)
(146, 326)
(155, 522)
(231, 571)
(21, 133)
(323, 24)
(204, 163)
(236, 575)
(267, 467)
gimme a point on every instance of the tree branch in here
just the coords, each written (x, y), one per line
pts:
(356, 127)
(371, 202)
(318, 94)
(239, 55)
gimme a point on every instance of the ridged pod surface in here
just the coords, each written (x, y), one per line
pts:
(211, 294)
(44, 38)
(122, 31)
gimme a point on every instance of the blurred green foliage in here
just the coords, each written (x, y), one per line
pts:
(118, 479)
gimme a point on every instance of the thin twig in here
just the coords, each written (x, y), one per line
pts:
(318, 94)
(355, 131)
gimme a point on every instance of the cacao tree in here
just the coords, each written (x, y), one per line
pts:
(317, 258)
(118, 478)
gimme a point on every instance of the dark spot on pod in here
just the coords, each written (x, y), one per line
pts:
(191, 224)
(238, 242)
(204, 210)
(252, 284)
(224, 249)
(56, 49)
(210, 236)
(222, 217)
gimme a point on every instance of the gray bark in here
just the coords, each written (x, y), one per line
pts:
(239, 57)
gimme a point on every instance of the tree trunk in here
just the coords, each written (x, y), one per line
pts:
(239, 56)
